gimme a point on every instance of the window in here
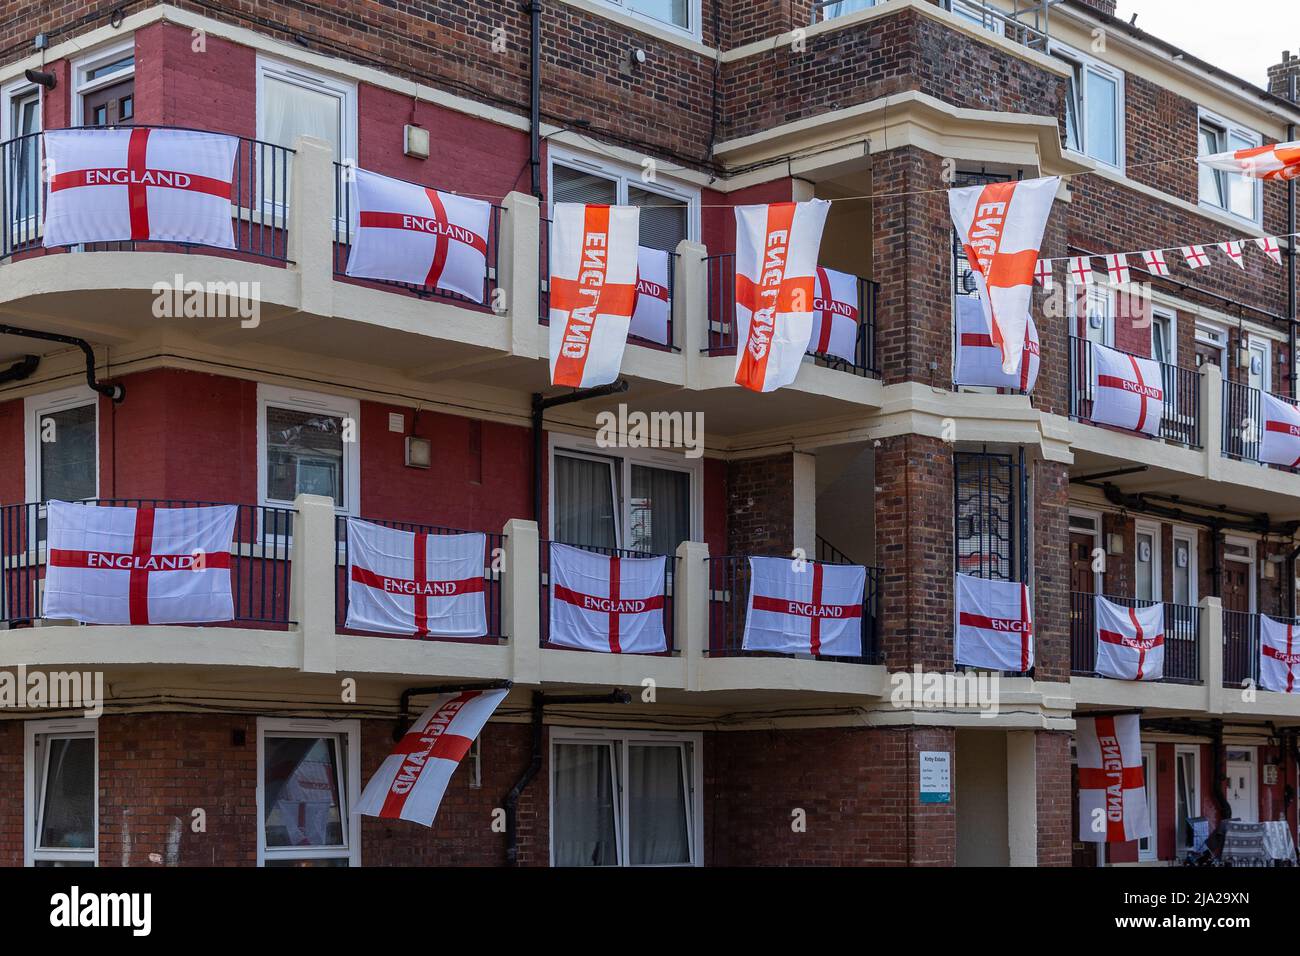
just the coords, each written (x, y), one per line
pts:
(1186, 587)
(684, 15)
(1094, 107)
(307, 785)
(668, 215)
(1147, 844)
(104, 87)
(838, 8)
(62, 438)
(624, 799)
(1187, 785)
(307, 444)
(1164, 343)
(1211, 344)
(1146, 562)
(1094, 309)
(1236, 193)
(991, 535)
(61, 793)
(293, 101)
(975, 13)
(20, 116)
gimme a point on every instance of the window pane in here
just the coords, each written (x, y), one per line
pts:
(68, 811)
(583, 806)
(842, 7)
(661, 510)
(117, 66)
(290, 110)
(1072, 108)
(575, 185)
(1160, 341)
(68, 460)
(656, 807)
(663, 218)
(304, 454)
(1182, 572)
(302, 792)
(1145, 560)
(1241, 189)
(1103, 123)
(1211, 179)
(584, 502)
(669, 11)
(1183, 793)
(24, 178)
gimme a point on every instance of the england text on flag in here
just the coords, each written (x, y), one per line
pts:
(776, 258)
(607, 603)
(836, 315)
(1279, 440)
(1130, 640)
(1279, 655)
(650, 317)
(994, 625)
(409, 784)
(164, 185)
(977, 361)
(414, 234)
(146, 565)
(805, 607)
(1127, 391)
(1112, 788)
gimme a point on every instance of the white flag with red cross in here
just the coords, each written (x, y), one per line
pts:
(1279, 441)
(163, 185)
(805, 607)
(979, 362)
(995, 624)
(411, 781)
(413, 582)
(1280, 161)
(408, 233)
(145, 565)
(1268, 245)
(776, 259)
(1127, 391)
(1112, 787)
(1000, 227)
(592, 290)
(1279, 655)
(836, 314)
(650, 317)
(607, 603)
(1130, 640)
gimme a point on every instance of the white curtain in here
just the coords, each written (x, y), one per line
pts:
(657, 815)
(660, 508)
(583, 497)
(583, 806)
(291, 110)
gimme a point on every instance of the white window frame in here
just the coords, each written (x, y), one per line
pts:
(350, 792)
(1151, 852)
(1098, 579)
(33, 796)
(1229, 129)
(35, 407)
(1214, 336)
(297, 75)
(1155, 530)
(1194, 807)
(1171, 316)
(691, 30)
(619, 740)
(1192, 538)
(1086, 65)
(1262, 344)
(623, 175)
(10, 93)
(972, 14)
(321, 403)
(1252, 554)
(84, 64)
(1100, 287)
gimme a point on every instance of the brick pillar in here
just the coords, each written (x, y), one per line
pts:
(1052, 764)
(1052, 391)
(1051, 559)
(761, 505)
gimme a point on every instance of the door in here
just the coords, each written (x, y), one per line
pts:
(1146, 562)
(1236, 586)
(110, 105)
(1261, 368)
(1242, 794)
(1147, 845)
(1083, 580)
(1084, 854)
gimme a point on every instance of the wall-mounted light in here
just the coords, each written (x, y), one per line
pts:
(419, 452)
(1115, 543)
(41, 78)
(415, 141)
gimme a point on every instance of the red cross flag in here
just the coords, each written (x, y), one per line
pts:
(1130, 641)
(1279, 655)
(1279, 442)
(409, 784)
(604, 603)
(1280, 161)
(804, 607)
(1233, 251)
(1195, 256)
(650, 317)
(1269, 247)
(412, 582)
(143, 565)
(835, 315)
(592, 290)
(1118, 268)
(1081, 270)
(1112, 790)
(414, 234)
(1043, 274)
(166, 185)
(1155, 262)
(1127, 391)
(306, 801)
(776, 259)
(1000, 226)
(995, 626)
(979, 362)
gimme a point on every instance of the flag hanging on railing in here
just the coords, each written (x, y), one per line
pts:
(1127, 391)
(413, 582)
(1112, 787)
(1130, 641)
(408, 233)
(163, 185)
(411, 781)
(995, 624)
(776, 258)
(146, 565)
(836, 315)
(979, 362)
(805, 607)
(1279, 431)
(1000, 227)
(607, 603)
(1277, 162)
(650, 317)
(1279, 655)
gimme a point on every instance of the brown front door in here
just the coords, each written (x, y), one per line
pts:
(1085, 854)
(1082, 578)
(1236, 586)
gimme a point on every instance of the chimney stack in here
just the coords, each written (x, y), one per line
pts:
(1279, 75)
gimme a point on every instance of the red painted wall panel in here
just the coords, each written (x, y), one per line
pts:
(12, 478)
(212, 88)
(718, 222)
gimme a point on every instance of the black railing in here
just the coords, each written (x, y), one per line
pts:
(1243, 422)
(1240, 648)
(1181, 387)
(259, 195)
(729, 602)
(259, 569)
(1182, 637)
(723, 331)
(344, 224)
(493, 570)
(544, 565)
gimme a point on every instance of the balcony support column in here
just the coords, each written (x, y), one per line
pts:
(313, 571)
(691, 609)
(1022, 797)
(1212, 419)
(691, 308)
(1211, 636)
(805, 503)
(518, 272)
(311, 224)
(521, 600)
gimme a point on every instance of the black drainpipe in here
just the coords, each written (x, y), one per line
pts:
(115, 392)
(534, 11)
(21, 369)
(511, 801)
(540, 405)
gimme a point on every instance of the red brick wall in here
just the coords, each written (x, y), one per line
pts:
(11, 790)
(1055, 836)
(760, 505)
(1051, 558)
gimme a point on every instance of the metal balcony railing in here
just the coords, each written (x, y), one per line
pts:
(259, 574)
(1028, 24)
(1182, 637)
(1241, 647)
(1181, 414)
(1243, 422)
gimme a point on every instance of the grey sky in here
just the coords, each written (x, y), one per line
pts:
(1244, 37)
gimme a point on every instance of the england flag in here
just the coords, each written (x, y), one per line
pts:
(164, 185)
(1112, 787)
(650, 317)
(410, 783)
(836, 315)
(1279, 162)
(979, 362)
(1279, 655)
(408, 233)
(1279, 441)
(609, 604)
(1127, 391)
(1130, 641)
(145, 565)
(995, 625)
(412, 582)
(804, 607)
